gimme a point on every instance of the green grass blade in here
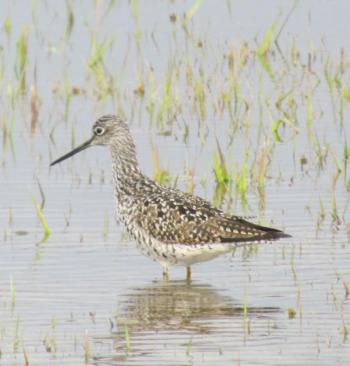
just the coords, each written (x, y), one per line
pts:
(41, 216)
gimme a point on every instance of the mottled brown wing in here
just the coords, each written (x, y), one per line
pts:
(184, 219)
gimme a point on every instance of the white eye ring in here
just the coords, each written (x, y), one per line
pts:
(99, 131)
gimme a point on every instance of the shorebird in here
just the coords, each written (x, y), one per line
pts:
(170, 226)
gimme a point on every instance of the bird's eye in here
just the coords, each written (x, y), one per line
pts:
(99, 131)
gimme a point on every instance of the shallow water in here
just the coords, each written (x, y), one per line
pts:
(86, 295)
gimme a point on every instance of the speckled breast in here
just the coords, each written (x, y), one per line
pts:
(148, 246)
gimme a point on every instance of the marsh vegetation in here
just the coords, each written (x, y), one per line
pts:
(248, 107)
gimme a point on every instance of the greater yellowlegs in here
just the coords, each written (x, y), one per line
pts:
(170, 226)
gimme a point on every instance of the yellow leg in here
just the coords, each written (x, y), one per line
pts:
(188, 274)
(165, 273)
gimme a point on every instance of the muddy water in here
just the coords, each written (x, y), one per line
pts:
(86, 295)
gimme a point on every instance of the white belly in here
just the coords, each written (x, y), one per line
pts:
(177, 254)
(173, 254)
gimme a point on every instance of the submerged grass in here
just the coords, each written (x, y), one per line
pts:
(242, 180)
(7, 129)
(50, 340)
(12, 294)
(127, 337)
(264, 48)
(8, 27)
(87, 348)
(16, 335)
(160, 174)
(41, 216)
(96, 65)
(223, 176)
(194, 8)
(22, 60)
(70, 19)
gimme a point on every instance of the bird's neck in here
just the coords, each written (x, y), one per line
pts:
(126, 173)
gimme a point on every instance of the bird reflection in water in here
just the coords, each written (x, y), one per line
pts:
(158, 319)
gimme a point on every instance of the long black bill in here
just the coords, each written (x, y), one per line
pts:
(82, 147)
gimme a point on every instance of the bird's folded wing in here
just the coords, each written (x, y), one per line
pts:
(179, 218)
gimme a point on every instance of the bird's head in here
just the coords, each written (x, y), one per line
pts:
(108, 130)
